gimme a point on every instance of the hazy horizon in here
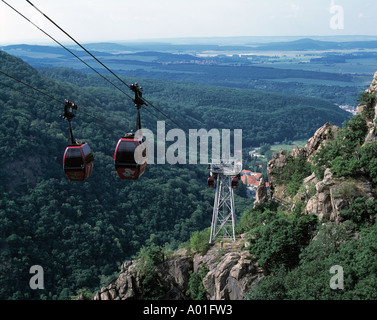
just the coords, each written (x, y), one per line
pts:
(164, 20)
(243, 40)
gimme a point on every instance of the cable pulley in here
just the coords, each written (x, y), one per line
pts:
(69, 115)
(139, 102)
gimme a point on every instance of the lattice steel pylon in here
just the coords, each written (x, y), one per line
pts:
(223, 217)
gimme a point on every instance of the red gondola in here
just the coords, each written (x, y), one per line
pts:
(234, 183)
(78, 162)
(211, 182)
(130, 157)
(78, 159)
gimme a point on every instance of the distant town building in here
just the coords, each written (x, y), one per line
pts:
(252, 181)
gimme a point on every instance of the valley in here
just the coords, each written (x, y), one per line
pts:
(335, 69)
(279, 93)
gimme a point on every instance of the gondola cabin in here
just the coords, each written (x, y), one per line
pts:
(78, 161)
(234, 183)
(211, 182)
(130, 157)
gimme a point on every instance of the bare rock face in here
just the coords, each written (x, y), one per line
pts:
(372, 115)
(320, 203)
(309, 184)
(261, 193)
(231, 271)
(320, 137)
(126, 287)
(373, 86)
(228, 279)
(324, 134)
(333, 195)
(278, 161)
(174, 275)
(325, 199)
(371, 136)
(372, 89)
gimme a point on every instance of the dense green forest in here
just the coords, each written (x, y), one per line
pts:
(81, 232)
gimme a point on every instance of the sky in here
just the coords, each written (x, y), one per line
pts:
(124, 20)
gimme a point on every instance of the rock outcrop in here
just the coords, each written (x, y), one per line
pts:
(320, 138)
(231, 270)
(328, 197)
(371, 115)
(230, 276)
(334, 194)
(261, 193)
(173, 276)
(279, 160)
(373, 86)
(372, 90)
(321, 203)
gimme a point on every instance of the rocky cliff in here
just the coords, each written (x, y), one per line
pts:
(229, 272)
(229, 269)
(325, 198)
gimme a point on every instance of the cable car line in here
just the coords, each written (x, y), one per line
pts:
(64, 47)
(68, 50)
(100, 123)
(60, 101)
(25, 94)
(108, 69)
(165, 115)
(130, 154)
(31, 87)
(82, 47)
(55, 99)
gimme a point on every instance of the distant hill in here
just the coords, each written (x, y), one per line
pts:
(244, 43)
(310, 44)
(179, 46)
(26, 50)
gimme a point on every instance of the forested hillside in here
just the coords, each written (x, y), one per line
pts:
(81, 232)
(265, 117)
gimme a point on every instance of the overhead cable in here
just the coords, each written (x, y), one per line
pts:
(64, 47)
(55, 99)
(102, 64)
